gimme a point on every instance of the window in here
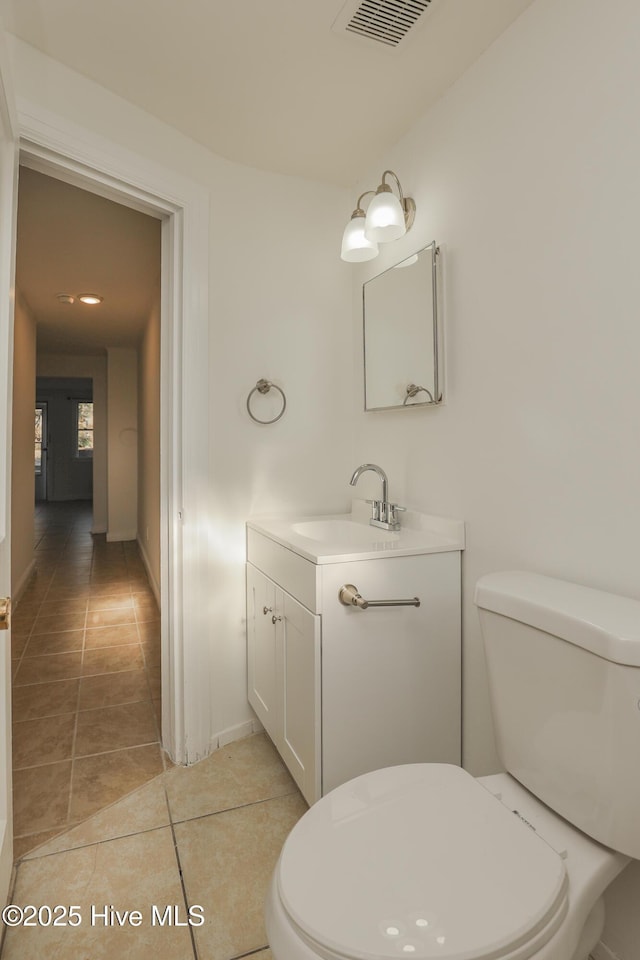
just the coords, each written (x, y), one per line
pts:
(38, 445)
(84, 428)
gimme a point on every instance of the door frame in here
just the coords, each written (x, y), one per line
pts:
(57, 147)
(8, 205)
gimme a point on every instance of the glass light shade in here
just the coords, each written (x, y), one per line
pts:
(356, 248)
(385, 219)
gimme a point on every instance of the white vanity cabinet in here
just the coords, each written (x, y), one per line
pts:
(283, 646)
(342, 690)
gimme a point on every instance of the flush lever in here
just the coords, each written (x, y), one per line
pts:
(350, 597)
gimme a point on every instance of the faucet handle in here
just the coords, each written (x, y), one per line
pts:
(392, 510)
(376, 509)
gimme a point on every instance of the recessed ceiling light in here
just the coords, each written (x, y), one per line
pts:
(66, 298)
(90, 298)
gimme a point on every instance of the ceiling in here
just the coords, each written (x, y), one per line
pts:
(268, 84)
(71, 241)
(274, 85)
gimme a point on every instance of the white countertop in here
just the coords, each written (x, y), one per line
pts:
(340, 538)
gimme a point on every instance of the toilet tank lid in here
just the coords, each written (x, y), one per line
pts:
(603, 623)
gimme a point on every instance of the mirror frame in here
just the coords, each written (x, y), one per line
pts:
(437, 350)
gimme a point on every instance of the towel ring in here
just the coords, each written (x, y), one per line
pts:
(264, 386)
(412, 390)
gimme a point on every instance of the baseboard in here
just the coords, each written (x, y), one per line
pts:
(602, 952)
(235, 733)
(114, 536)
(100, 529)
(155, 586)
(23, 582)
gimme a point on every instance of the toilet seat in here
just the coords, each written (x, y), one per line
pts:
(420, 861)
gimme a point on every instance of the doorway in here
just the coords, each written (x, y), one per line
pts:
(55, 145)
(61, 148)
(41, 446)
(64, 444)
(86, 689)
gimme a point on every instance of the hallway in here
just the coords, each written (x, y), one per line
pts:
(86, 677)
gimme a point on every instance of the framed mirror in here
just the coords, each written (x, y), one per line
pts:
(401, 336)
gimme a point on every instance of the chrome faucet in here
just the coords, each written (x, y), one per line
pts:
(383, 513)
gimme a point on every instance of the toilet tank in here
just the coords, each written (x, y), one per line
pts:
(564, 676)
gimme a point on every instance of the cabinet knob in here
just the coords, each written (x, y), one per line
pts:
(275, 619)
(267, 610)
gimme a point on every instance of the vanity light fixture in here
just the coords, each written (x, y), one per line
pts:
(388, 217)
(91, 298)
(355, 246)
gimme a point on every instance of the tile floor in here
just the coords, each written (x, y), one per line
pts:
(207, 835)
(86, 677)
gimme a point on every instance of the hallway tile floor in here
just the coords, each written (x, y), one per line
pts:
(86, 677)
(206, 836)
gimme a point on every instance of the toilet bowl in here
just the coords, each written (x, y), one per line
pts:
(423, 861)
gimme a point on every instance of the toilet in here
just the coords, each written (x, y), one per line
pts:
(424, 861)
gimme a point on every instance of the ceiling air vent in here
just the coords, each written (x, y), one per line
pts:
(384, 21)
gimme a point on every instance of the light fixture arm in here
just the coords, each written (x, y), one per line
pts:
(395, 177)
(359, 212)
(408, 204)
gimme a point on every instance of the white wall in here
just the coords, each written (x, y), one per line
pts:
(122, 443)
(279, 308)
(526, 173)
(22, 447)
(282, 313)
(63, 365)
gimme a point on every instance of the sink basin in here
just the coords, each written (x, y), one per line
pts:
(343, 531)
(341, 538)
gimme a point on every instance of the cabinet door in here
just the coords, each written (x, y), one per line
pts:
(299, 659)
(391, 675)
(261, 651)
